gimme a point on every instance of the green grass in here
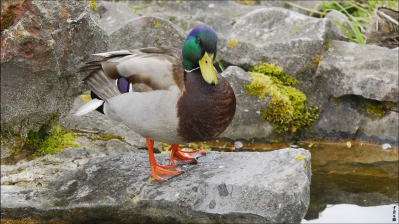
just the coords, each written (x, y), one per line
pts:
(359, 16)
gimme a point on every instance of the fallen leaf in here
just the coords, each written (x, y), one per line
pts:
(86, 98)
(299, 158)
(349, 144)
(232, 43)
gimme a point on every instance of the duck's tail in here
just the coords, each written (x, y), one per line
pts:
(90, 106)
(101, 85)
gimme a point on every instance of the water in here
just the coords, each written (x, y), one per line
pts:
(353, 185)
(347, 213)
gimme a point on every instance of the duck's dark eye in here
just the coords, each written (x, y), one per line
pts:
(197, 40)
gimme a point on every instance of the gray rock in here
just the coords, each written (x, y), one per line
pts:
(114, 16)
(146, 32)
(339, 121)
(221, 15)
(269, 187)
(275, 35)
(185, 14)
(41, 171)
(365, 70)
(267, 26)
(40, 53)
(108, 147)
(384, 130)
(339, 17)
(247, 123)
(294, 5)
(5, 152)
(348, 70)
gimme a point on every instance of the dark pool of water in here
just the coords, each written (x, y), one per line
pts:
(357, 184)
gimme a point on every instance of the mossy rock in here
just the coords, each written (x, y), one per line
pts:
(287, 111)
(49, 139)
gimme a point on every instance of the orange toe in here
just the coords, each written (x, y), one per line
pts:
(198, 151)
(184, 157)
(161, 173)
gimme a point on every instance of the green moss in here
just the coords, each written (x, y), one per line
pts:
(369, 107)
(273, 140)
(56, 142)
(49, 138)
(275, 72)
(248, 2)
(108, 137)
(316, 60)
(377, 108)
(335, 101)
(35, 138)
(287, 111)
(327, 44)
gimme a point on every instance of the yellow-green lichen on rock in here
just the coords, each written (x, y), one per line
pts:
(56, 142)
(287, 111)
(370, 107)
(377, 108)
(49, 138)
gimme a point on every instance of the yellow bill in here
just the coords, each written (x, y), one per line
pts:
(207, 69)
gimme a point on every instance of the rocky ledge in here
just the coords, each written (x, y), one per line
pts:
(239, 187)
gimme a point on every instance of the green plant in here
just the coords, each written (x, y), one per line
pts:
(136, 7)
(287, 111)
(358, 15)
(220, 64)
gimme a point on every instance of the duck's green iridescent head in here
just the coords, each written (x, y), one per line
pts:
(199, 50)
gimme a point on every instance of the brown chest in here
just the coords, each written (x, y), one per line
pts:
(205, 111)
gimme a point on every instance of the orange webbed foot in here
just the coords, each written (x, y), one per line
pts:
(159, 172)
(184, 157)
(162, 173)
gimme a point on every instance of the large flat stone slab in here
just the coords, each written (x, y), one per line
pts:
(239, 187)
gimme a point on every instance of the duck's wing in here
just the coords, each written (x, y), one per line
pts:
(141, 70)
(146, 69)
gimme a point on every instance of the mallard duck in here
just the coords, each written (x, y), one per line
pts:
(164, 94)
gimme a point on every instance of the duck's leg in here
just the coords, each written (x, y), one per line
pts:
(159, 172)
(184, 157)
